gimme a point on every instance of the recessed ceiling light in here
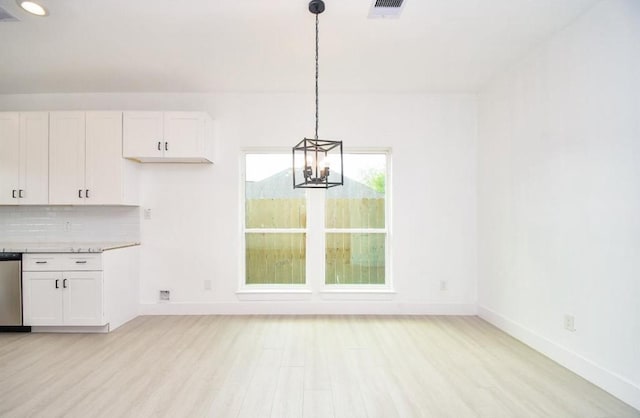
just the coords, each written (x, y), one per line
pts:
(33, 8)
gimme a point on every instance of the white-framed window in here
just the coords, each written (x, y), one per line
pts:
(330, 240)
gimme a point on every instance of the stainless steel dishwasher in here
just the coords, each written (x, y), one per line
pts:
(11, 293)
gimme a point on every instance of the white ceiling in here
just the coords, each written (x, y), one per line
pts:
(268, 45)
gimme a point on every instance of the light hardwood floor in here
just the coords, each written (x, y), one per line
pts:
(291, 366)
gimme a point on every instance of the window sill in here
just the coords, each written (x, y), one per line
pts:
(270, 294)
(357, 294)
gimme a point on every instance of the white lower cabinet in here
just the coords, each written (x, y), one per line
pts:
(42, 296)
(82, 298)
(59, 290)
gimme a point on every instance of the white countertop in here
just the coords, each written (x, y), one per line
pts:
(62, 247)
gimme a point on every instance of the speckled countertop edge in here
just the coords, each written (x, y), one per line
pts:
(63, 247)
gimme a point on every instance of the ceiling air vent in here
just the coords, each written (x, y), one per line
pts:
(6, 16)
(386, 8)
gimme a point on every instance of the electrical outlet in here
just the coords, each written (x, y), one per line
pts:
(569, 323)
(67, 226)
(207, 285)
(147, 213)
(165, 295)
(444, 285)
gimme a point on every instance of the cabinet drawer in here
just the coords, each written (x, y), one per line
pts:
(41, 262)
(82, 262)
(59, 262)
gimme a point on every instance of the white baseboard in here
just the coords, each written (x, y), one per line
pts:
(99, 329)
(308, 308)
(613, 383)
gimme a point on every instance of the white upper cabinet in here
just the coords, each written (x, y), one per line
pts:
(34, 158)
(9, 157)
(24, 145)
(104, 166)
(168, 137)
(85, 160)
(66, 158)
(143, 135)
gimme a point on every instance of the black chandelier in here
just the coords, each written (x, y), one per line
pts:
(318, 161)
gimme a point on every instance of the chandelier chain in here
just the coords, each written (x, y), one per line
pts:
(317, 67)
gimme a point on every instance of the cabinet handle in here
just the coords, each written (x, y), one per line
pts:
(64, 284)
(159, 144)
(166, 146)
(41, 262)
(13, 193)
(81, 262)
(20, 194)
(80, 193)
(57, 280)
(86, 193)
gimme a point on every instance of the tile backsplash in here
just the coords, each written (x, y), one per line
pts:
(69, 224)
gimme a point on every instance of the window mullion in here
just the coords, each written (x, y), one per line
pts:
(275, 230)
(356, 230)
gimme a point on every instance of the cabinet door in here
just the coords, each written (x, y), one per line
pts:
(34, 158)
(9, 157)
(83, 298)
(104, 163)
(142, 135)
(42, 295)
(66, 158)
(184, 134)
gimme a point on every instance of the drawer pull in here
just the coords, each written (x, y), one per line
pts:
(81, 262)
(64, 284)
(13, 194)
(57, 280)
(86, 193)
(20, 194)
(41, 262)
(80, 193)
(159, 146)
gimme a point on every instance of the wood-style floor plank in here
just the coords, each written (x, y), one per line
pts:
(292, 366)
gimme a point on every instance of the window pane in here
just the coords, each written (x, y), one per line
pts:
(275, 258)
(360, 202)
(355, 259)
(270, 200)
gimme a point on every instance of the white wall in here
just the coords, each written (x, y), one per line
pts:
(559, 197)
(195, 227)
